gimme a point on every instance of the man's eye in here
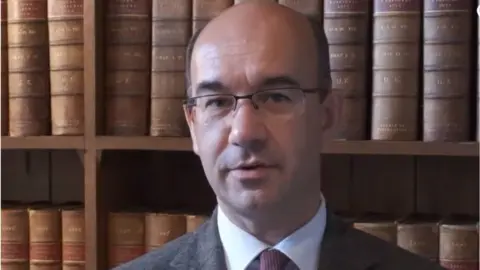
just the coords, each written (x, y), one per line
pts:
(218, 102)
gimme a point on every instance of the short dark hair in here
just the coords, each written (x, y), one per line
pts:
(323, 57)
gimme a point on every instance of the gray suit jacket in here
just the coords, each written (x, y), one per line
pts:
(343, 248)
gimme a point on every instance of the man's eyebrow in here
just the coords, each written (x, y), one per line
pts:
(210, 86)
(277, 81)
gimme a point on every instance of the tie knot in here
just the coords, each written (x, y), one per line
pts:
(272, 259)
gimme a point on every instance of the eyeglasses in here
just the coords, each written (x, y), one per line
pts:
(278, 102)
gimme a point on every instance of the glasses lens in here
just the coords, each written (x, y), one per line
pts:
(279, 101)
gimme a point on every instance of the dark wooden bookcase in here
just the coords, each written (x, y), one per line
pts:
(108, 172)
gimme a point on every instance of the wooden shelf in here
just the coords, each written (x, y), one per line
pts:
(143, 143)
(415, 148)
(43, 142)
(336, 147)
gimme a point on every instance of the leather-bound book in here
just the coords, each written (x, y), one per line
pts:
(128, 37)
(171, 23)
(73, 237)
(447, 59)
(311, 8)
(28, 80)
(195, 221)
(45, 226)
(65, 29)
(379, 225)
(347, 27)
(478, 74)
(418, 234)
(126, 237)
(459, 243)
(15, 243)
(161, 228)
(4, 68)
(396, 64)
(205, 10)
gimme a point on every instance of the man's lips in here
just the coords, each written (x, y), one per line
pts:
(254, 171)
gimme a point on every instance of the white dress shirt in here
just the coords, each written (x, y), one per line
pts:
(302, 246)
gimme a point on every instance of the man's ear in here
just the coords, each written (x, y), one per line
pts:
(331, 112)
(190, 119)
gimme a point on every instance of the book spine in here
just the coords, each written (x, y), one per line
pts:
(29, 99)
(459, 246)
(419, 238)
(65, 29)
(4, 68)
(387, 231)
(162, 228)
(128, 36)
(15, 239)
(73, 239)
(126, 237)
(347, 29)
(447, 61)
(205, 10)
(45, 239)
(171, 30)
(396, 54)
(194, 221)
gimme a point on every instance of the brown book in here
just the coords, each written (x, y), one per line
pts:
(379, 225)
(205, 10)
(396, 62)
(28, 81)
(73, 237)
(171, 23)
(478, 75)
(161, 228)
(459, 243)
(126, 237)
(419, 235)
(347, 27)
(15, 238)
(447, 38)
(311, 8)
(194, 221)
(65, 29)
(128, 31)
(45, 237)
(4, 68)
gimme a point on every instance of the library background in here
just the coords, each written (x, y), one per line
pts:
(97, 165)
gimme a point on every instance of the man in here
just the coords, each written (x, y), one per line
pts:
(259, 104)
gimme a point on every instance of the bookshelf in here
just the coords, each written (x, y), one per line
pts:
(394, 177)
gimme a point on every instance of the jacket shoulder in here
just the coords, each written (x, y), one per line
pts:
(391, 256)
(160, 258)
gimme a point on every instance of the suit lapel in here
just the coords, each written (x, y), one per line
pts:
(340, 250)
(204, 252)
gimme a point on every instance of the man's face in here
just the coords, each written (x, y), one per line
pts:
(253, 159)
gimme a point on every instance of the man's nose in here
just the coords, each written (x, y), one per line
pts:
(248, 129)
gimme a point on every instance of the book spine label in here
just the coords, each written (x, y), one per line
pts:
(163, 228)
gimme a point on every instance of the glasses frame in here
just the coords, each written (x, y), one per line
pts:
(189, 103)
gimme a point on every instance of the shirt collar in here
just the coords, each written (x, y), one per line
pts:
(302, 246)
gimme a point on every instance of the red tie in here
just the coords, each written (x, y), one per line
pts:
(272, 259)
